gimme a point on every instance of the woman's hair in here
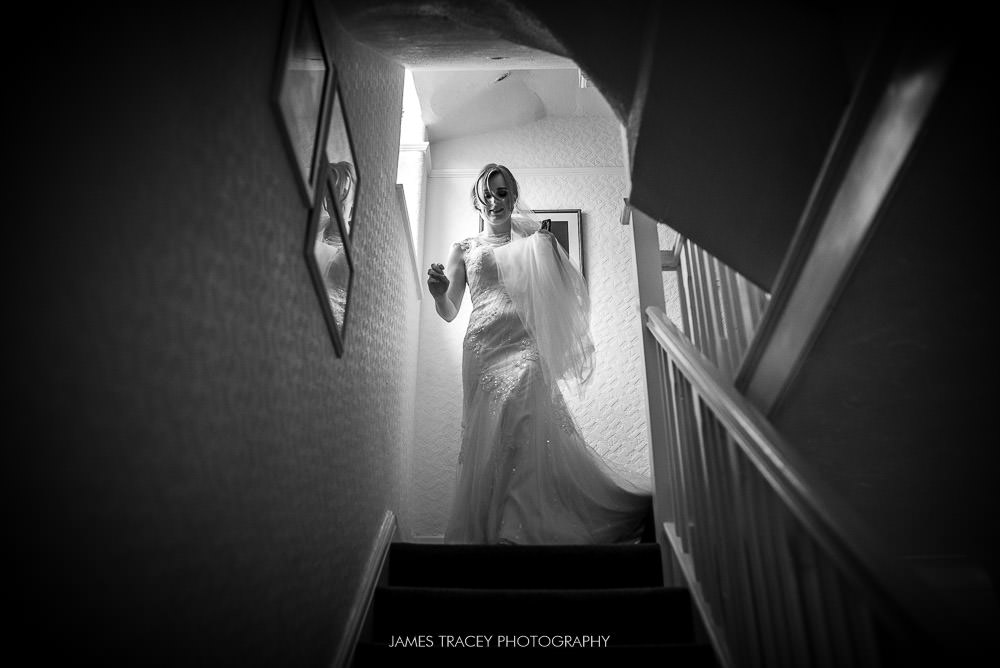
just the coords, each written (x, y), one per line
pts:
(343, 178)
(482, 184)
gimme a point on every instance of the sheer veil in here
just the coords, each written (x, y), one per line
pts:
(550, 296)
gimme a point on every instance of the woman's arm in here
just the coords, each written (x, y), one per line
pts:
(447, 286)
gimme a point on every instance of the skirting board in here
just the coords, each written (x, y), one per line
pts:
(366, 591)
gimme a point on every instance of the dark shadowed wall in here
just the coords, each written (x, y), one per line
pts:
(894, 405)
(199, 477)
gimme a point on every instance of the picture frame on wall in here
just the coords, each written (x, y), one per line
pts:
(302, 94)
(329, 258)
(566, 225)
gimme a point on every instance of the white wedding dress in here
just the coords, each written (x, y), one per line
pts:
(525, 474)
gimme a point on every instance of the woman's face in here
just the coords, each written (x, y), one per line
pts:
(498, 202)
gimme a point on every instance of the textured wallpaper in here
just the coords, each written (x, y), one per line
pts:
(572, 162)
(562, 141)
(204, 478)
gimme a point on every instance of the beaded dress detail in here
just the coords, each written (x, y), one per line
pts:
(525, 474)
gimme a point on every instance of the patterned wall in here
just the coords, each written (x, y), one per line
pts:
(204, 476)
(381, 360)
(564, 141)
(571, 162)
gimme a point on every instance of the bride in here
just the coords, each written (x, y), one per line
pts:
(525, 474)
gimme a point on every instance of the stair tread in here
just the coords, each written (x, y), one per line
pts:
(693, 655)
(686, 646)
(525, 566)
(470, 550)
(529, 592)
(614, 591)
(624, 614)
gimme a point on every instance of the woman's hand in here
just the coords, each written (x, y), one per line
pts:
(437, 282)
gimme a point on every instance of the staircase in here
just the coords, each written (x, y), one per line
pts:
(610, 595)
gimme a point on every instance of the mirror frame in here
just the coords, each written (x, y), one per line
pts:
(309, 176)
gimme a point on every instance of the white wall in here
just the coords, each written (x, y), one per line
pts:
(560, 163)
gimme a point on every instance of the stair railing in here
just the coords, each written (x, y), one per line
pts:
(782, 572)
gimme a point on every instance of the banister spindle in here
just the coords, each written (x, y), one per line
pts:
(862, 626)
(691, 316)
(701, 548)
(681, 404)
(758, 563)
(735, 333)
(682, 290)
(726, 529)
(716, 328)
(767, 505)
(835, 589)
(710, 522)
(673, 443)
(751, 633)
(701, 313)
(815, 604)
(712, 334)
(684, 453)
(785, 531)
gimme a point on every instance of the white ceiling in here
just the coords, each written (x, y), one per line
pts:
(461, 102)
(458, 49)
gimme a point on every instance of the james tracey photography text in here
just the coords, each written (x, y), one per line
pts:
(498, 641)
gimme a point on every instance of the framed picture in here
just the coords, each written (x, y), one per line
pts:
(340, 154)
(328, 256)
(567, 227)
(302, 91)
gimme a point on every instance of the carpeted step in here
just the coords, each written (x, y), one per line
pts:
(635, 616)
(525, 566)
(675, 656)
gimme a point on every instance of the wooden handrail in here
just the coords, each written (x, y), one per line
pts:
(882, 124)
(903, 601)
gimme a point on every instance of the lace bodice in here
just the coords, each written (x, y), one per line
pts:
(480, 266)
(496, 334)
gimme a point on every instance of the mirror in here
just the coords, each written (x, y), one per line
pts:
(328, 255)
(343, 168)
